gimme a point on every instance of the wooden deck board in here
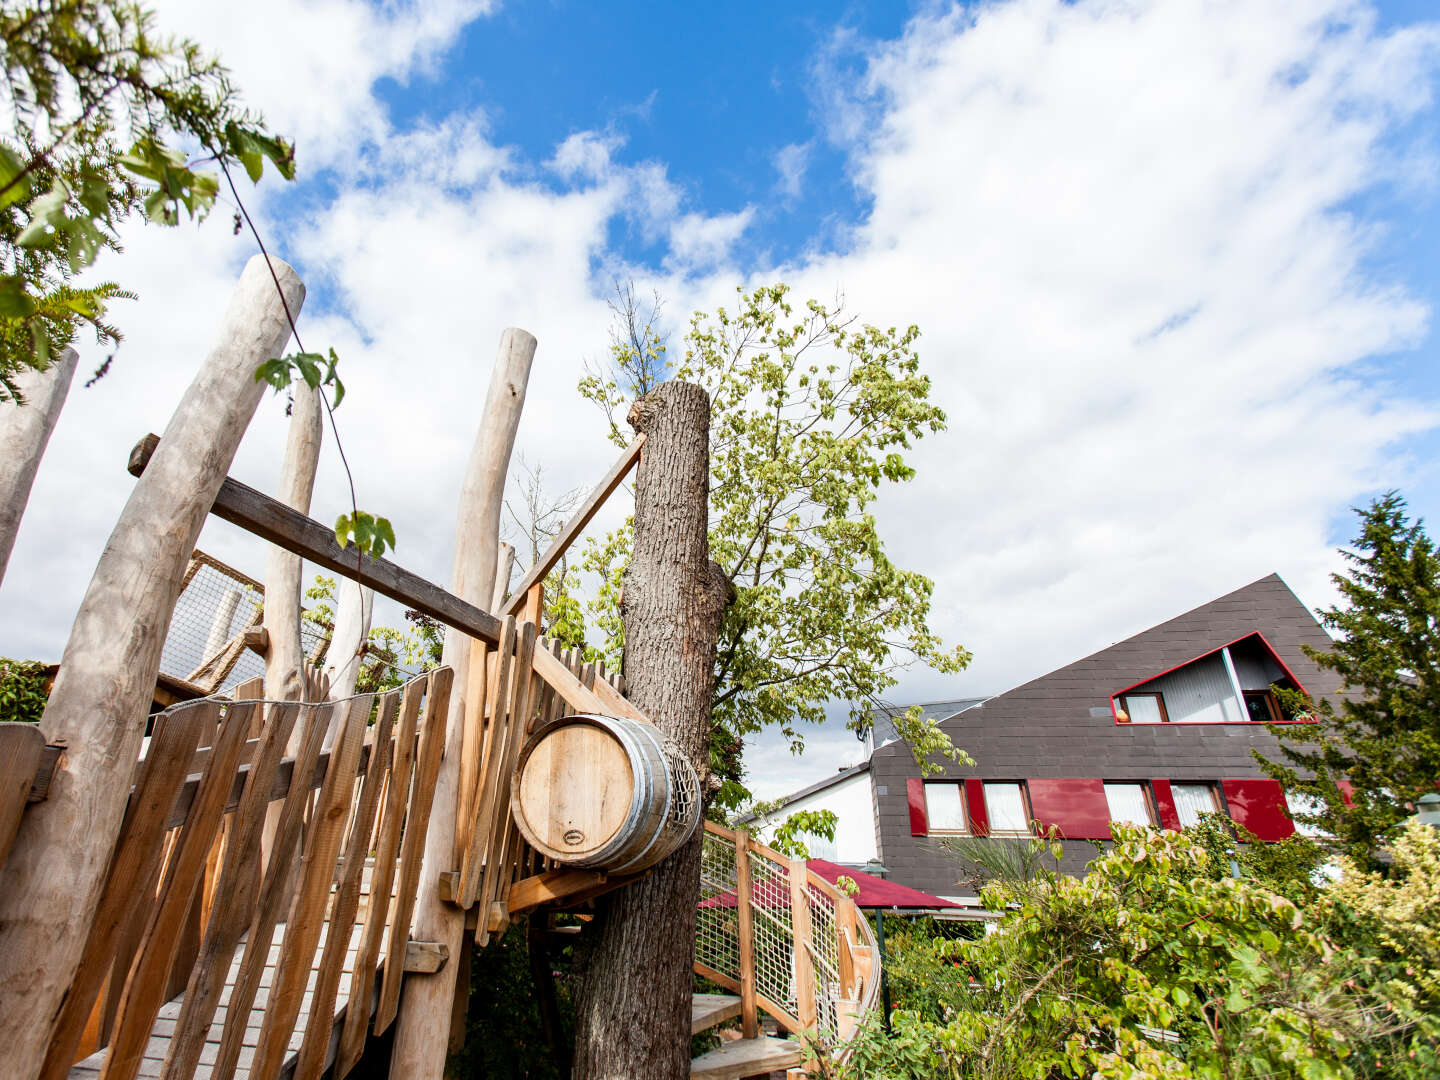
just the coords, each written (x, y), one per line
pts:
(164, 1026)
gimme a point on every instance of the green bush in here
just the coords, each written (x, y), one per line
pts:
(1155, 964)
(23, 692)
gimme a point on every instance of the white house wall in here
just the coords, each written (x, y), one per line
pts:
(854, 808)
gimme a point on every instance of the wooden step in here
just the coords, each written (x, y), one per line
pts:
(708, 1010)
(746, 1057)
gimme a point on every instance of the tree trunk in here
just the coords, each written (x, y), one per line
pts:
(422, 1030)
(633, 1016)
(24, 432)
(51, 882)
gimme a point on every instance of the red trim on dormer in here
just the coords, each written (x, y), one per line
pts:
(975, 801)
(1115, 697)
(915, 797)
(1165, 805)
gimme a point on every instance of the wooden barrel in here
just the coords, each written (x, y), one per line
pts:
(604, 793)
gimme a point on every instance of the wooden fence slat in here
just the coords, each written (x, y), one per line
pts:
(145, 989)
(387, 849)
(486, 802)
(498, 869)
(207, 977)
(307, 911)
(347, 901)
(21, 747)
(314, 721)
(472, 749)
(134, 870)
(427, 768)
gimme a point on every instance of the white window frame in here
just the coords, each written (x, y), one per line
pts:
(1129, 787)
(1019, 788)
(958, 786)
(1216, 807)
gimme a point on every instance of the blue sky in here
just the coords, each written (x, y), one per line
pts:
(1175, 263)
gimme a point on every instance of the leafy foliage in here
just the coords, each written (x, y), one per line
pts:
(281, 372)
(391, 656)
(101, 105)
(811, 415)
(23, 691)
(369, 532)
(790, 834)
(1020, 861)
(1384, 742)
(1154, 964)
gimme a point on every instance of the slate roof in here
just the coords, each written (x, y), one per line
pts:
(1061, 724)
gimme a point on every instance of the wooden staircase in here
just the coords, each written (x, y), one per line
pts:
(738, 1057)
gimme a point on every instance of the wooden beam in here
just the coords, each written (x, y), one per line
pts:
(272, 520)
(425, 957)
(575, 525)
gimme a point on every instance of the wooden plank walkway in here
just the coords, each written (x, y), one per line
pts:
(159, 1042)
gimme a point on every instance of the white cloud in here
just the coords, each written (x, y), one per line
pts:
(703, 242)
(790, 163)
(1123, 228)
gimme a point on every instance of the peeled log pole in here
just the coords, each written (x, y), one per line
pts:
(633, 1014)
(51, 883)
(422, 1031)
(282, 569)
(24, 433)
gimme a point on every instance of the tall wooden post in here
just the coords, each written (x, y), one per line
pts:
(745, 913)
(803, 939)
(283, 570)
(422, 1030)
(51, 883)
(24, 432)
(633, 1015)
(352, 627)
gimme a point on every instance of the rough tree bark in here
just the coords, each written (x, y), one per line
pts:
(51, 882)
(422, 1030)
(24, 433)
(633, 1015)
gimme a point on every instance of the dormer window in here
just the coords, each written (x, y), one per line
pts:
(1229, 685)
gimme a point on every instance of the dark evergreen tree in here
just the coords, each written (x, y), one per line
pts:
(1372, 754)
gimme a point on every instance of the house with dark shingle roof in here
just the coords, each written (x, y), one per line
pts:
(1156, 729)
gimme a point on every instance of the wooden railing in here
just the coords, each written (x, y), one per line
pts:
(784, 939)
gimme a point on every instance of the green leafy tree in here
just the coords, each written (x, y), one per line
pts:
(811, 415)
(23, 691)
(1383, 738)
(109, 118)
(1154, 965)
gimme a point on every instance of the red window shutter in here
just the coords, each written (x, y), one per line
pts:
(1077, 807)
(975, 800)
(915, 794)
(1259, 805)
(1165, 804)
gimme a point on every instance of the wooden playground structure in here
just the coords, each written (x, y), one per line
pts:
(276, 875)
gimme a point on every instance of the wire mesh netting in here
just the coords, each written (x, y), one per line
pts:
(774, 932)
(717, 926)
(217, 605)
(825, 950)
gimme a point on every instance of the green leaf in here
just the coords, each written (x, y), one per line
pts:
(276, 372)
(343, 528)
(309, 368)
(386, 531)
(15, 302)
(11, 189)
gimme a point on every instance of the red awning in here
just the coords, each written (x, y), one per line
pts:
(875, 892)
